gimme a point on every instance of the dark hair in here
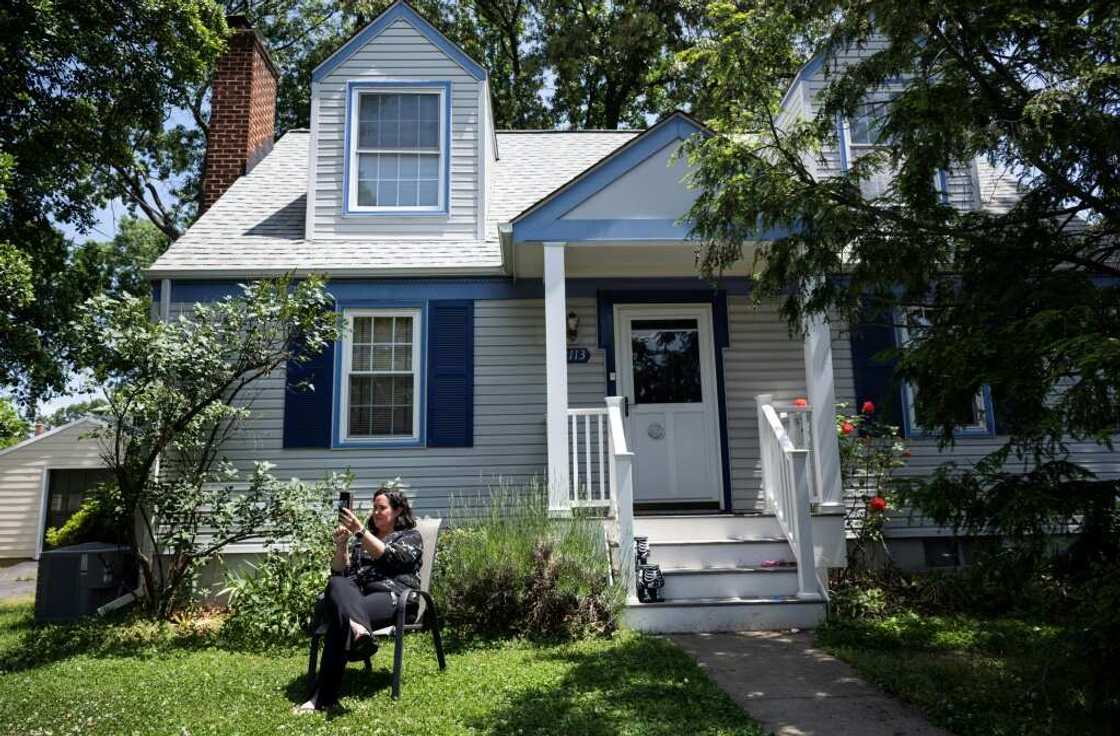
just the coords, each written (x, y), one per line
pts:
(398, 502)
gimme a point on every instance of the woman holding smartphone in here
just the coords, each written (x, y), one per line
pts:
(374, 563)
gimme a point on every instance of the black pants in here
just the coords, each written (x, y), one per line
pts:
(344, 601)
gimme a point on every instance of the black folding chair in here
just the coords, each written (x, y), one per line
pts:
(424, 618)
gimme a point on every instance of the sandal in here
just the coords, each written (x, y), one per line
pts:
(362, 648)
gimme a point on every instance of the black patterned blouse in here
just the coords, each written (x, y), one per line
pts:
(397, 568)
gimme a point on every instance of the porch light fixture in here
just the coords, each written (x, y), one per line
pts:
(573, 326)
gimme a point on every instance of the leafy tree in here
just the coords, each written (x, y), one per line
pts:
(77, 410)
(13, 428)
(87, 86)
(117, 265)
(175, 391)
(606, 57)
(16, 285)
(1022, 301)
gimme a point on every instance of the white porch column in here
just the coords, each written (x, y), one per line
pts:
(556, 373)
(822, 398)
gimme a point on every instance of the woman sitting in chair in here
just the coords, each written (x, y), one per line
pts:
(374, 563)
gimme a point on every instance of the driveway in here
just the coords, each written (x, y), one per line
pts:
(18, 580)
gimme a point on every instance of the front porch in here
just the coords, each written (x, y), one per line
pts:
(670, 401)
(739, 494)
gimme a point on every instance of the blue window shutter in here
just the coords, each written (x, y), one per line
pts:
(1003, 413)
(451, 373)
(873, 370)
(307, 408)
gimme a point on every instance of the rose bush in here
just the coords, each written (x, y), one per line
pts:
(870, 451)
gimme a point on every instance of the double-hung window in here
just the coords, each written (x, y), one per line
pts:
(866, 127)
(864, 134)
(380, 375)
(398, 150)
(974, 416)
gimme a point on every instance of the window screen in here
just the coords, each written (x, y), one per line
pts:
(398, 149)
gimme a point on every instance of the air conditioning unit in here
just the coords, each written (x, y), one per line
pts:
(74, 581)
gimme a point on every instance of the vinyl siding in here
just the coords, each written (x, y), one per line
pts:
(962, 187)
(795, 109)
(762, 358)
(927, 456)
(399, 53)
(21, 484)
(509, 439)
(509, 425)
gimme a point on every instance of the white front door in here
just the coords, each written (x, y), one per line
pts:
(665, 360)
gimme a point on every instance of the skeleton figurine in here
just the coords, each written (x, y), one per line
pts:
(650, 582)
(641, 551)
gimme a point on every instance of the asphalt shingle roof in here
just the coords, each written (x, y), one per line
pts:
(257, 227)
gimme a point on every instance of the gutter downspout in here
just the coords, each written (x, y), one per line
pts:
(509, 252)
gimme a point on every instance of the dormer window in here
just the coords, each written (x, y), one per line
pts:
(866, 127)
(397, 139)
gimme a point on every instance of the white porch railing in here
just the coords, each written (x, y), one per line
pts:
(602, 474)
(787, 478)
(587, 446)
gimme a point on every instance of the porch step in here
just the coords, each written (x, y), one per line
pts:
(692, 615)
(732, 582)
(718, 553)
(706, 526)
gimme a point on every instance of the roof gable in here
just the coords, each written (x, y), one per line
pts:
(635, 193)
(399, 10)
(52, 432)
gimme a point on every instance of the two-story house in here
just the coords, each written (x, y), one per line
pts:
(525, 304)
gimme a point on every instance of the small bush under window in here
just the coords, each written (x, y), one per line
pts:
(508, 569)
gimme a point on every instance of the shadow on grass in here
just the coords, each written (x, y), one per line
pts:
(36, 645)
(642, 685)
(26, 645)
(911, 631)
(357, 683)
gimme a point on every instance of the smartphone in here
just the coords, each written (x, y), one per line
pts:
(343, 501)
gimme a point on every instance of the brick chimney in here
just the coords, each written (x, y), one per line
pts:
(242, 111)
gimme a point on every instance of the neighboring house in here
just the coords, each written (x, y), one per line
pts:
(43, 481)
(498, 288)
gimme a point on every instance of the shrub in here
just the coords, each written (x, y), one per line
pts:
(508, 569)
(1006, 581)
(270, 601)
(96, 520)
(870, 451)
(1096, 633)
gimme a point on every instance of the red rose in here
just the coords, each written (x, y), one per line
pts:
(847, 428)
(868, 408)
(878, 503)
(800, 403)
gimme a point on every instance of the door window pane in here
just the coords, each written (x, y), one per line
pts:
(666, 354)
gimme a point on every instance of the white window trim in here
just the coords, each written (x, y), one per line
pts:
(352, 205)
(981, 425)
(347, 357)
(855, 150)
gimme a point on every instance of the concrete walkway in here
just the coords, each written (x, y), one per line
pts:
(18, 580)
(793, 689)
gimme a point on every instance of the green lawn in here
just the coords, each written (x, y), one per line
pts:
(139, 678)
(974, 677)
